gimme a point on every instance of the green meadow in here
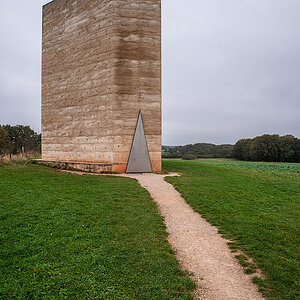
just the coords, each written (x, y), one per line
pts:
(65, 236)
(257, 206)
(276, 168)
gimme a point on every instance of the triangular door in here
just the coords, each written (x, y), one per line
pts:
(139, 160)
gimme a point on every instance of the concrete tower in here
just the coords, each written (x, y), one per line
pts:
(101, 84)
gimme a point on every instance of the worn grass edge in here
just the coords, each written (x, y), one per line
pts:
(248, 264)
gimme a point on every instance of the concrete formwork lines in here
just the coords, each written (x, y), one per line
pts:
(101, 65)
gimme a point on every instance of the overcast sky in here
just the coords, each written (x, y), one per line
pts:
(231, 68)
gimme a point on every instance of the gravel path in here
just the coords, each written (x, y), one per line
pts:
(198, 246)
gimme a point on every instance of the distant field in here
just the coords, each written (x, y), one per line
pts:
(65, 236)
(289, 169)
(257, 205)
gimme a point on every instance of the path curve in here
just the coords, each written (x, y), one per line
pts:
(198, 246)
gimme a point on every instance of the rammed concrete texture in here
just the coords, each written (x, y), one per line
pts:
(101, 65)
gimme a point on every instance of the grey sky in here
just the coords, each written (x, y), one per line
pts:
(231, 68)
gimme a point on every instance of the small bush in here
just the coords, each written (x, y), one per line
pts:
(189, 156)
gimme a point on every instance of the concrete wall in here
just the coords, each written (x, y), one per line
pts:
(101, 65)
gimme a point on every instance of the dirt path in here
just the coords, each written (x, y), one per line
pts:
(198, 246)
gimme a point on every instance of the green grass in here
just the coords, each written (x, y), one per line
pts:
(283, 169)
(258, 210)
(65, 236)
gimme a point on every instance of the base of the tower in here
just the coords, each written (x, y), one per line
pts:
(81, 166)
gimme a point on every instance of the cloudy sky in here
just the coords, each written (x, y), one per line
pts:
(231, 68)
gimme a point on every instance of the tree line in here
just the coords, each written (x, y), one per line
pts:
(22, 139)
(268, 148)
(199, 150)
(18, 139)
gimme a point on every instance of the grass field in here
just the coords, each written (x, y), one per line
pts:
(255, 205)
(65, 236)
(276, 168)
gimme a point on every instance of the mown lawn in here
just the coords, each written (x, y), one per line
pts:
(82, 237)
(259, 210)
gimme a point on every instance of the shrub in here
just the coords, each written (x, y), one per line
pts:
(189, 156)
(265, 148)
(241, 149)
(4, 141)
